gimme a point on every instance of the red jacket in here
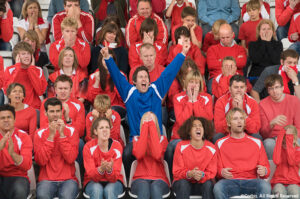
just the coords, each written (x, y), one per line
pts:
(92, 157)
(250, 106)
(32, 79)
(194, 53)
(85, 33)
(248, 31)
(77, 115)
(56, 158)
(158, 6)
(133, 28)
(184, 109)
(149, 150)
(198, 32)
(216, 53)
(269, 109)
(23, 147)
(264, 12)
(134, 54)
(115, 98)
(1, 72)
(174, 90)
(220, 85)
(79, 87)
(154, 74)
(81, 48)
(294, 26)
(209, 40)
(26, 120)
(6, 27)
(287, 160)
(176, 13)
(283, 11)
(242, 155)
(186, 158)
(114, 131)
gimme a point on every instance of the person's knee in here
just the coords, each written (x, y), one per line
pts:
(219, 188)
(94, 189)
(264, 186)
(182, 184)
(20, 189)
(208, 184)
(293, 190)
(279, 189)
(112, 190)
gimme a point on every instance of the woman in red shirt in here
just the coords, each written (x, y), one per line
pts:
(195, 160)
(102, 162)
(149, 180)
(286, 156)
(26, 118)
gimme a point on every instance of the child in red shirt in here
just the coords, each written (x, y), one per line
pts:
(286, 156)
(248, 29)
(175, 9)
(264, 11)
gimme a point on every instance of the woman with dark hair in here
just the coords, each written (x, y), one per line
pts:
(195, 160)
(68, 64)
(111, 36)
(102, 162)
(26, 118)
(100, 82)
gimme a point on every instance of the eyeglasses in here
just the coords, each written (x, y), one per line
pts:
(274, 88)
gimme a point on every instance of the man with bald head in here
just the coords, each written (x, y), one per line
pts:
(226, 47)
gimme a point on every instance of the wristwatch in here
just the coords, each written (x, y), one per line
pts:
(69, 121)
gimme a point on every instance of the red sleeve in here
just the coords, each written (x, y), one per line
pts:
(140, 143)
(43, 148)
(243, 10)
(83, 53)
(39, 82)
(220, 117)
(32, 124)
(131, 33)
(292, 29)
(156, 148)
(9, 77)
(56, 21)
(211, 170)
(7, 25)
(263, 160)
(53, 55)
(199, 59)
(87, 30)
(1, 72)
(291, 151)
(220, 85)
(174, 90)
(243, 31)
(198, 33)
(68, 145)
(278, 148)
(92, 91)
(253, 119)
(134, 58)
(183, 108)
(172, 52)
(133, 6)
(282, 14)
(241, 58)
(213, 60)
(117, 165)
(208, 41)
(179, 168)
(162, 35)
(79, 122)
(161, 54)
(26, 153)
(43, 117)
(265, 129)
(88, 124)
(203, 107)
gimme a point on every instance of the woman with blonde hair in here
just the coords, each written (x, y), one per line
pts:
(68, 64)
(265, 51)
(33, 20)
(286, 156)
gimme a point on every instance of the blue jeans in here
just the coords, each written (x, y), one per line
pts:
(282, 31)
(184, 189)
(169, 155)
(221, 135)
(209, 85)
(296, 46)
(5, 45)
(62, 189)
(16, 7)
(13, 187)
(147, 189)
(225, 188)
(79, 158)
(97, 191)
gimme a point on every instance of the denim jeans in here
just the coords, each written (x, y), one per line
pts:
(225, 188)
(281, 191)
(169, 155)
(184, 189)
(282, 31)
(6, 46)
(62, 189)
(146, 189)
(79, 158)
(14, 187)
(97, 191)
(296, 46)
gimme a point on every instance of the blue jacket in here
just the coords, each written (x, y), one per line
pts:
(139, 103)
(211, 10)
